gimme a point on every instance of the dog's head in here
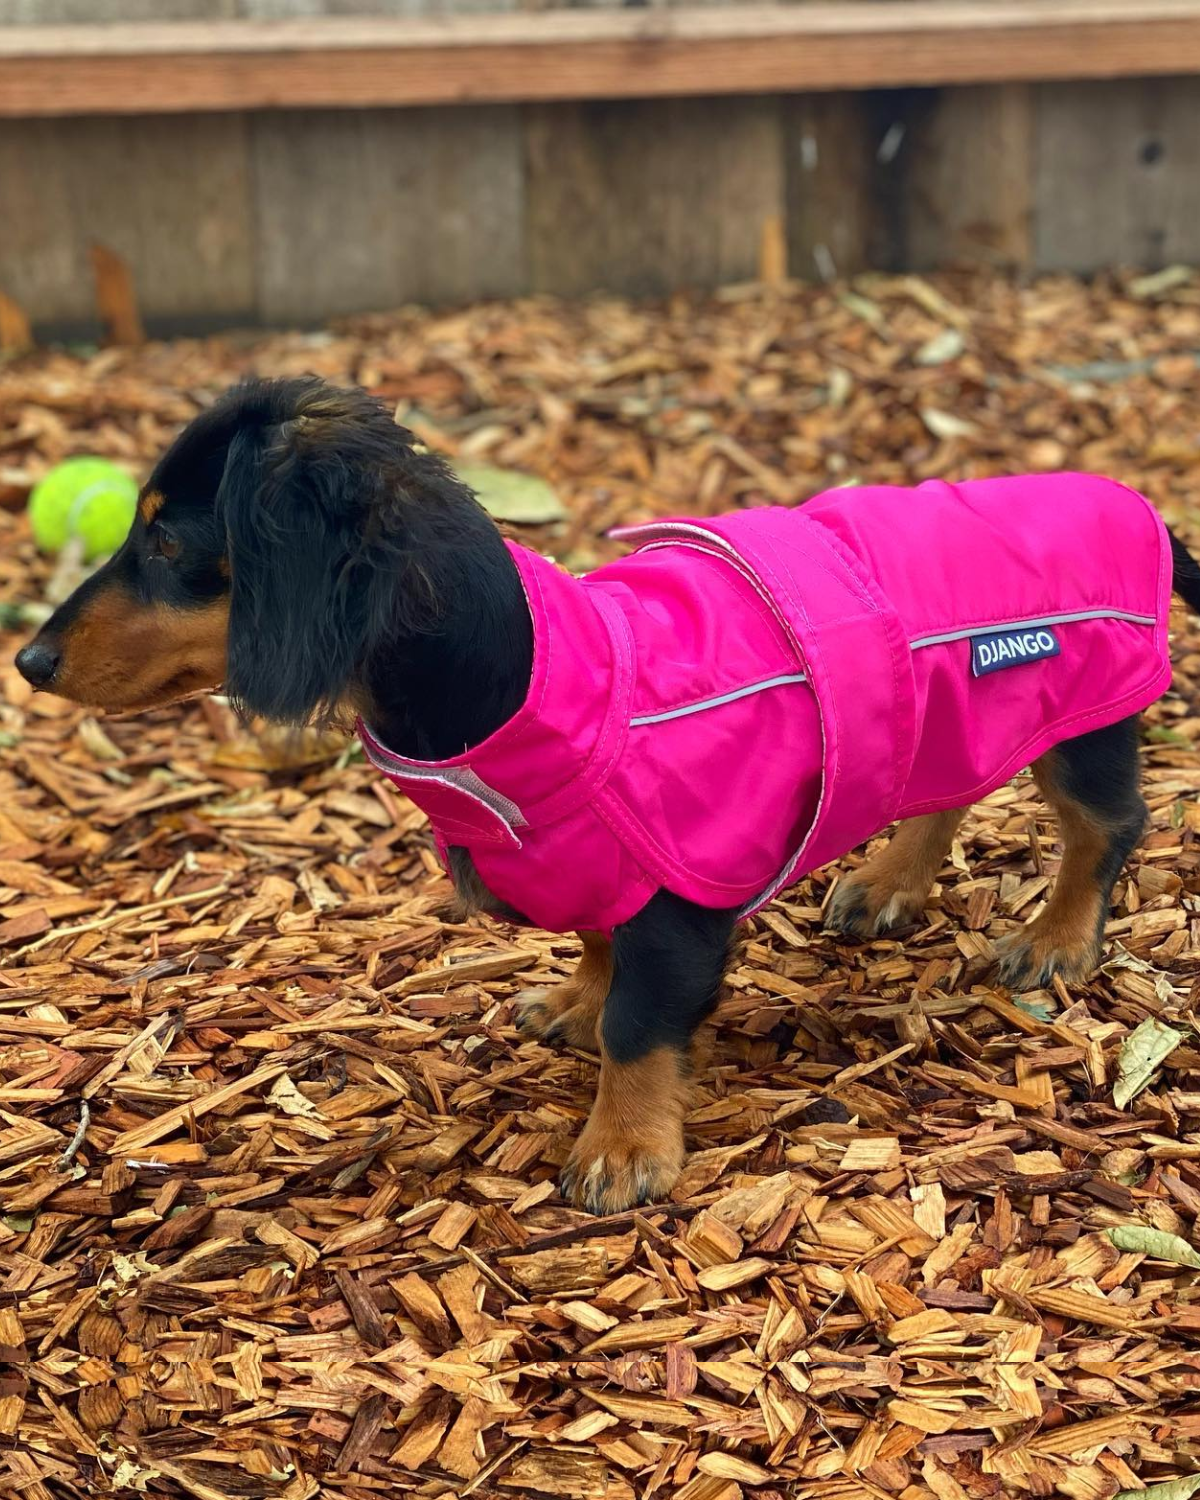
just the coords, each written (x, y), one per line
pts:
(287, 527)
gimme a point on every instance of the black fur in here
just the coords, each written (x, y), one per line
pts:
(362, 568)
(668, 964)
(1185, 574)
(1101, 772)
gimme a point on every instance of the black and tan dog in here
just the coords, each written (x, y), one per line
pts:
(299, 550)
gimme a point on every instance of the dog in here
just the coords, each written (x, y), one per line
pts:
(651, 753)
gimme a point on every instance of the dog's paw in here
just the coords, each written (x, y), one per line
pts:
(607, 1174)
(862, 908)
(1031, 958)
(554, 1016)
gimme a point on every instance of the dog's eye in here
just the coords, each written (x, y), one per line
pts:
(164, 544)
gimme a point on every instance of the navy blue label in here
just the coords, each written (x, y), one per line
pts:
(1009, 648)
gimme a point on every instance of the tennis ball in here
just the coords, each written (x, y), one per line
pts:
(84, 497)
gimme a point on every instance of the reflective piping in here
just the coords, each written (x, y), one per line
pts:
(1004, 625)
(695, 708)
(459, 778)
(665, 534)
(783, 879)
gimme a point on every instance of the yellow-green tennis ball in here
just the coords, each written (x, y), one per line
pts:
(84, 497)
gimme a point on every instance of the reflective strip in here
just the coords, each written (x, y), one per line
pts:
(695, 708)
(1003, 625)
(459, 778)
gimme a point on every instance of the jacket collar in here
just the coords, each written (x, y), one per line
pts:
(563, 741)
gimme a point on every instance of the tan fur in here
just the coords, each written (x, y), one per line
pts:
(1066, 936)
(892, 887)
(631, 1149)
(119, 654)
(150, 504)
(571, 1011)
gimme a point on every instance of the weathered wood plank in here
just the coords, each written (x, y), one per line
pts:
(91, 12)
(1118, 174)
(648, 196)
(830, 143)
(585, 54)
(358, 210)
(282, 10)
(171, 197)
(910, 179)
(968, 179)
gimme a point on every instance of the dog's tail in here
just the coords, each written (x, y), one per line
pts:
(1185, 574)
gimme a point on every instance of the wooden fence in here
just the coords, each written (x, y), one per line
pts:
(282, 171)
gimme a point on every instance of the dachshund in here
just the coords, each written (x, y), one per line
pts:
(300, 551)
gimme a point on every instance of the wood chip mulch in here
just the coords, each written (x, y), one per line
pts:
(278, 1213)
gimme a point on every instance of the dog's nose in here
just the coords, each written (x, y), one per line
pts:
(38, 662)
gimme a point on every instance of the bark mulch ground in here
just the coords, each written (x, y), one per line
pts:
(278, 1213)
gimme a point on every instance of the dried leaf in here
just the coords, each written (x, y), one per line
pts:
(945, 425)
(941, 348)
(1139, 1239)
(290, 1100)
(523, 499)
(1171, 1489)
(1155, 285)
(1142, 1051)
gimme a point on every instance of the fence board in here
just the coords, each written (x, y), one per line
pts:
(649, 196)
(968, 178)
(172, 198)
(85, 12)
(296, 216)
(370, 209)
(1118, 174)
(586, 54)
(830, 143)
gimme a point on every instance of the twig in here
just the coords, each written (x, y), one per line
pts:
(120, 916)
(85, 1119)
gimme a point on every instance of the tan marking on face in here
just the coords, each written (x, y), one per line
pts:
(119, 654)
(150, 504)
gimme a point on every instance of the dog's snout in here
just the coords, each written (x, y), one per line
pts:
(38, 662)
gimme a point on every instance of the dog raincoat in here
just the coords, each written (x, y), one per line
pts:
(743, 699)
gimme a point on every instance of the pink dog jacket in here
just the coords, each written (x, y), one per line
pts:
(744, 699)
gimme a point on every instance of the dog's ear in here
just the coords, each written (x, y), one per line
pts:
(294, 505)
(343, 535)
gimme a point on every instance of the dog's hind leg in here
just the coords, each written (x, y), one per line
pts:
(1091, 782)
(892, 887)
(570, 1012)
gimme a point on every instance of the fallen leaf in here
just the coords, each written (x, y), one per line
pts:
(1172, 1489)
(1041, 1010)
(941, 348)
(1159, 282)
(862, 307)
(1139, 1239)
(946, 425)
(523, 499)
(288, 1097)
(1141, 1053)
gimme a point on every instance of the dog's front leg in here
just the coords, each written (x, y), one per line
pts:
(668, 963)
(570, 1012)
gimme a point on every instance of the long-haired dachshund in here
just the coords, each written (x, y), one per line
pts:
(646, 755)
